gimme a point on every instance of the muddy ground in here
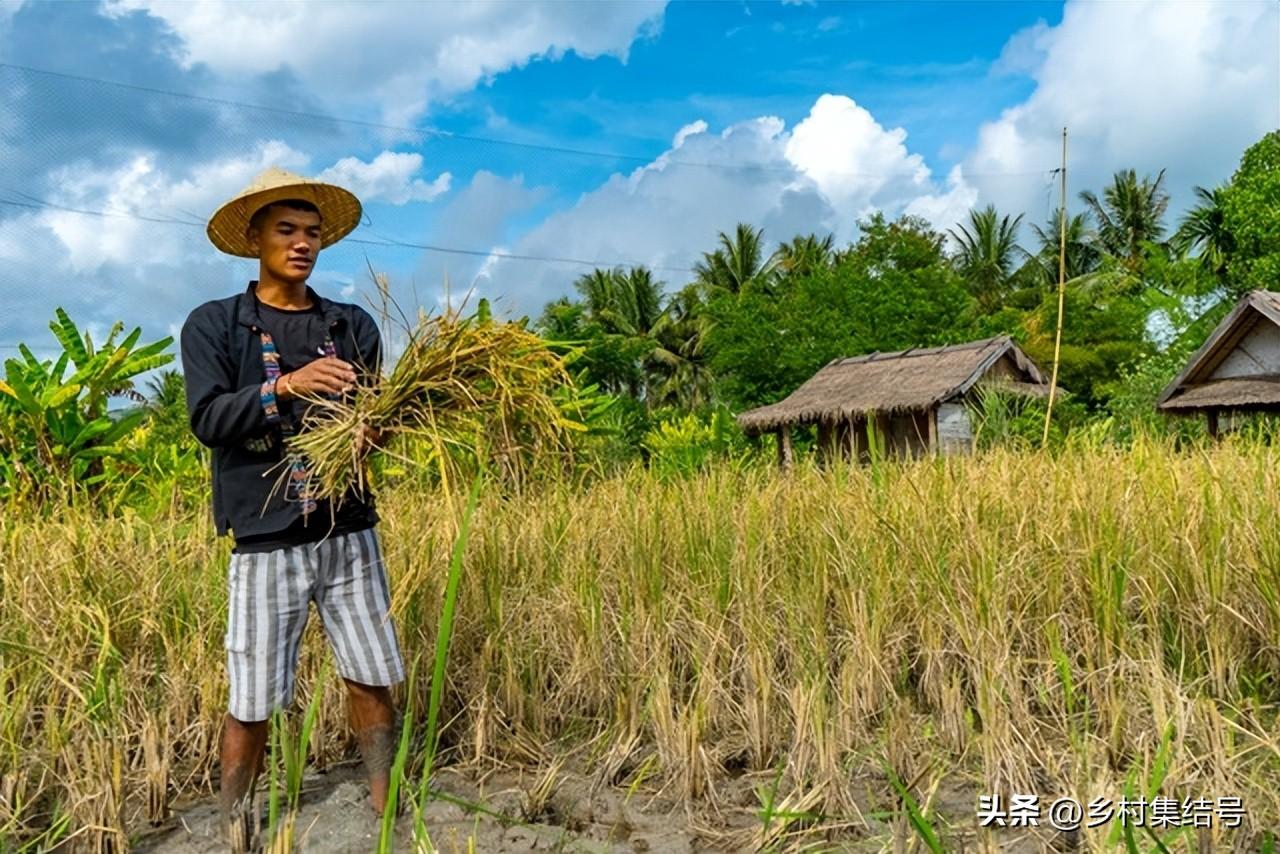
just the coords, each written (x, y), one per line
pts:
(336, 816)
(574, 815)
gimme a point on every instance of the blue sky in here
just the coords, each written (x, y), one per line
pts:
(618, 132)
(723, 61)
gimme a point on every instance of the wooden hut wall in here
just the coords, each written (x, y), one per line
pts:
(895, 435)
(922, 430)
(1003, 368)
(853, 440)
(946, 430)
(907, 434)
(842, 447)
(955, 432)
(1231, 421)
(828, 441)
(1258, 352)
(918, 430)
(910, 434)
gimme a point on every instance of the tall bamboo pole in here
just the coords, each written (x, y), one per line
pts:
(1062, 286)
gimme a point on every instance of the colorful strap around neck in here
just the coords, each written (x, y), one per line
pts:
(298, 486)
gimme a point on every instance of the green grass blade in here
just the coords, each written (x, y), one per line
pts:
(273, 796)
(304, 738)
(920, 822)
(443, 634)
(386, 832)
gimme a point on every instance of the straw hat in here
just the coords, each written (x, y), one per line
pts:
(339, 209)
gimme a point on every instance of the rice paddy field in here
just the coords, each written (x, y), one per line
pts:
(838, 659)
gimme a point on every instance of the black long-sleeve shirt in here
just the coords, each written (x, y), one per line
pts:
(222, 362)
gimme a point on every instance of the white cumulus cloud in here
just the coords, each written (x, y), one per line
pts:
(946, 209)
(135, 194)
(141, 200)
(8, 8)
(699, 126)
(1146, 85)
(389, 177)
(858, 165)
(399, 55)
(476, 217)
(835, 166)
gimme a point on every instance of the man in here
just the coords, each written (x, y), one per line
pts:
(251, 361)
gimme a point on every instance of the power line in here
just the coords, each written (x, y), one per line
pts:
(435, 132)
(37, 203)
(386, 242)
(389, 241)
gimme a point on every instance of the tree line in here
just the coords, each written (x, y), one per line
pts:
(755, 322)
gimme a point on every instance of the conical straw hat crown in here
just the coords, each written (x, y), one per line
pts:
(339, 209)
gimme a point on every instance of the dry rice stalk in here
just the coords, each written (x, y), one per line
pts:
(155, 751)
(283, 841)
(461, 382)
(533, 803)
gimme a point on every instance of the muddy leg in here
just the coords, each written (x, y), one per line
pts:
(241, 755)
(373, 720)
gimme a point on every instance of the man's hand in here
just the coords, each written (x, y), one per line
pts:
(321, 376)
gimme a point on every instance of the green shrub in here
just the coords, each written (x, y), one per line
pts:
(688, 443)
(58, 430)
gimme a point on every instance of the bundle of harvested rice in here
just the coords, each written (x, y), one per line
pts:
(461, 380)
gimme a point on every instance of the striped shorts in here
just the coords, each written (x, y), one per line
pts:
(270, 596)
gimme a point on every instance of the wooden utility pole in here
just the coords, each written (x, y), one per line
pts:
(1062, 286)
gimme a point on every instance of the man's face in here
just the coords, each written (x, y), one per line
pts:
(287, 242)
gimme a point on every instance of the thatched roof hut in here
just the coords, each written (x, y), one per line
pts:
(1237, 369)
(913, 397)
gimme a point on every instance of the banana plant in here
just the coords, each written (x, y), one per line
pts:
(58, 426)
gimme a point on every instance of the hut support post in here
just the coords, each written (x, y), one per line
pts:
(1211, 416)
(932, 417)
(784, 447)
(858, 440)
(826, 442)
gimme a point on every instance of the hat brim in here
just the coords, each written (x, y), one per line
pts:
(340, 213)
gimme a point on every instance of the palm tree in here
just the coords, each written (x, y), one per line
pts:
(598, 289)
(680, 363)
(804, 255)
(1082, 255)
(1202, 231)
(1130, 213)
(627, 306)
(622, 302)
(988, 250)
(561, 320)
(167, 404)
(739, 264)
(168, 389)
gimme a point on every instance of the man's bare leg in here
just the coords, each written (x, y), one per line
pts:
(373, 719)
(241, 754)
